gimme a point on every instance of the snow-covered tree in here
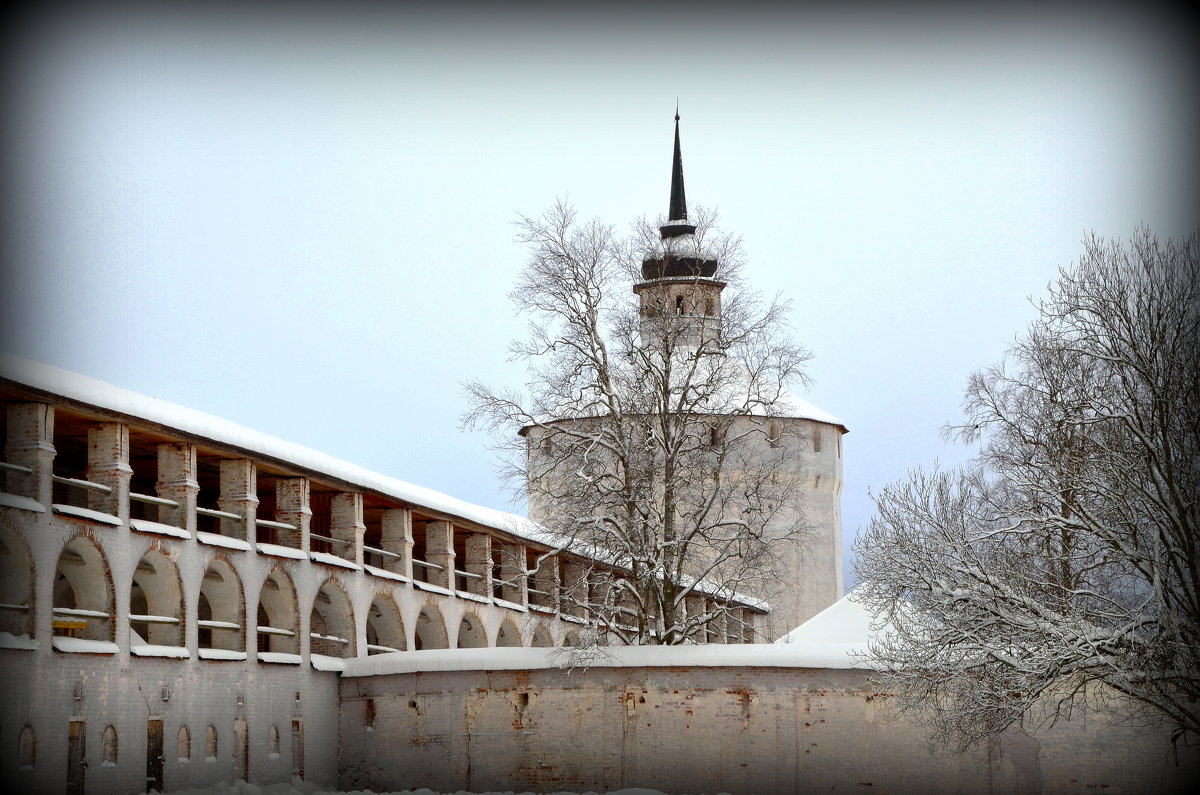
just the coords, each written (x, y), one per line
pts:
(1063, 564)
(643, 438)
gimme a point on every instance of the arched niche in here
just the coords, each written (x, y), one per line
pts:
(16, 585)
(471, 633)
(221, 608)
(331, 622)
(155, 602)
(83, 596)
(508, 635)
(542, 639)
(431, 629)
(385, 627)
(277, 621)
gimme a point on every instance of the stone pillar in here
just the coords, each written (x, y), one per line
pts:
(479, 561)
(439, 550)
(573, 589)
(512, 571)
(177, 481)
(30, 444)
(545, 579)
(346, 525)
(398, 539)
(239, 494)
(292, 507)
(108, 465)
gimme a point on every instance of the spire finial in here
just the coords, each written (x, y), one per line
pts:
(678, 209)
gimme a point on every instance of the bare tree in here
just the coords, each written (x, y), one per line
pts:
(642, 441)
(1062, 565)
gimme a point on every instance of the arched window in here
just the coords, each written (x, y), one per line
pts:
(109, 742)
(183, 744)
(331, 623)
(679, 304)
(431, 629)
(210, 744)
(471, 634)
(27, 752)
(385, 628)
(273, 742)
(16, 586)
(508, 635)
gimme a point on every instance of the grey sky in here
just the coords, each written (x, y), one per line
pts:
(303, 223)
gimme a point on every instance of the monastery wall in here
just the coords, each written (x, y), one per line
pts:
(738, 729)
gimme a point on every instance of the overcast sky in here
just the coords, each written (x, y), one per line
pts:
(304, 222)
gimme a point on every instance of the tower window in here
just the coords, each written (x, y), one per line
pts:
(774, 434)
(708, 307)
(816, 437)
(679, 304)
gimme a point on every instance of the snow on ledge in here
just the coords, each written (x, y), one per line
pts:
(220, 654)
(24, 503)
(428, 586)
(84, 646)
(766, 655)
(150, 650)
(24, 642)
(387, 575)
(333, 560)
(218, 540)
(281, 552)
(325, 663)
(86, 513)
(157, 528)
(279, 657)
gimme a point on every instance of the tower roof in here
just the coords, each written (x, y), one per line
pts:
(680, 254)
(678, 211)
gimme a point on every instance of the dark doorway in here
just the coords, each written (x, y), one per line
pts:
(76, 756)
(154, 755)
(298, 749)
(241, 749)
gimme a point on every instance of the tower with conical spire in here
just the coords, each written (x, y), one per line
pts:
(679, 293)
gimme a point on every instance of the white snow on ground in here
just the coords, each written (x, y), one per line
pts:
(305, 788)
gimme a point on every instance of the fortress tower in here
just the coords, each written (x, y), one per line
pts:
(793, 442)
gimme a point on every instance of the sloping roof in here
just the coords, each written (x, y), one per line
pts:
(190, 422)
(844, 630)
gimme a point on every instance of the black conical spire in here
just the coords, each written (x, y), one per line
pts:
(680, 256)
(678, 211)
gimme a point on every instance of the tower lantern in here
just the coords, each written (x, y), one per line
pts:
(680, 296)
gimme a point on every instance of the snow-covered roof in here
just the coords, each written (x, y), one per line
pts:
(92, 392)
(845, 627)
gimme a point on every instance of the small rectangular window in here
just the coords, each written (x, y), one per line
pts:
(816, 437)
(774, 434)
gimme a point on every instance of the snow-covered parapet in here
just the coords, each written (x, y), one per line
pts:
(771, 655)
